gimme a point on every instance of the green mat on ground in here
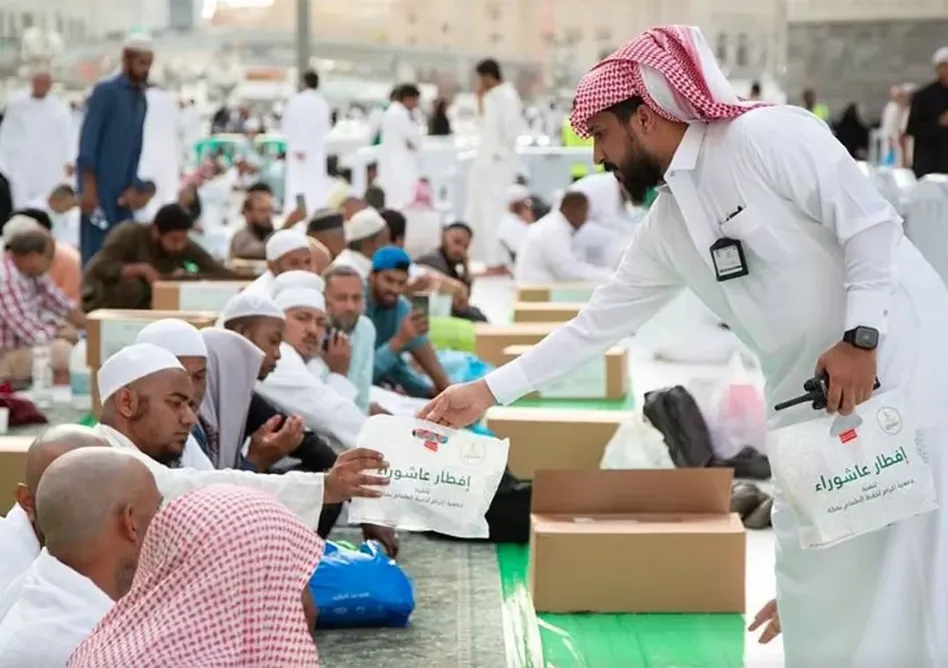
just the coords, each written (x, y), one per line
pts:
(609, 641)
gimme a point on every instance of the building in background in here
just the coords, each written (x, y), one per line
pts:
(183, 15)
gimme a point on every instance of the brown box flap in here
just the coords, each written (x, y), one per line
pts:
(143, 314)
(524, 328)
(548, 306)
(601, 492)
(557, 286)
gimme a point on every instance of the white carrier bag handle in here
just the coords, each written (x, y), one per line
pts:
(848, 476)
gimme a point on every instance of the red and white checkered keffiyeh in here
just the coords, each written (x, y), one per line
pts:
(220, 583)
(671, 68)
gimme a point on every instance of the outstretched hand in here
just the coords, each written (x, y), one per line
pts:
(459, 405)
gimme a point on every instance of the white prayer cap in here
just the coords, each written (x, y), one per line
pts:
(138, 41)
(300, 297)
(517, 193)
(249, 304)
(132, 363)
(364, 224)
(285, 241)
(39, 66)
(297, 278)
(940, 57)
(19, 225)
(180, 338)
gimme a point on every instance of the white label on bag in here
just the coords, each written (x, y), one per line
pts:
(848, 476)
(577, 295)
(586, 382)
(116, 334)
(206, 296)
(441, 479)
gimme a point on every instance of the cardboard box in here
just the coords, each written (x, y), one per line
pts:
(605, 377)
(194, 295)
(555, 292)
(247, 267)
(636, 542)
(542, 438)
(491, 340)
(110, 330)
(545, 311)
(12, 467)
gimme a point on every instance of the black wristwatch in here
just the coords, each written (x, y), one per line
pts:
(864, 338)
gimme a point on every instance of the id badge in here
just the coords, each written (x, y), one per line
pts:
(727, 256)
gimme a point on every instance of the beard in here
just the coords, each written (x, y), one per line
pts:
(637, 174)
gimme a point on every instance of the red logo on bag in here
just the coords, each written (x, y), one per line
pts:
(430, 439)
(848, 435)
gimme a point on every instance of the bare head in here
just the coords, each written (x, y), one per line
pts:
(636, 144)
(94, 506)
(575, 208)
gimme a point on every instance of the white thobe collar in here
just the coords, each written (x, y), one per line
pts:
(191, 458)
(687, 153)
(19, 545)
(48, 569)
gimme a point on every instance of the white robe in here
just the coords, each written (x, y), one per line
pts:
(512, 234)
(301, 493)
(608, 226)
(494, 169)
(18, 545)
(36, 146)
(398, 167)
(55, 609)
(307, 122)
(161, 151)
(300, 390)
(825, 253)
(549, 255)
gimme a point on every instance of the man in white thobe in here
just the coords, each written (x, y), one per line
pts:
(20, 540)
(516, 221)
(146, 411)
(609, 226)
(495, 167)
(94, 507)
(286, 250)
(161, 151)
(36, 141)
(829, 276)
(326, 406)
(307, 122)
(366, 232)
(549, 253)
(398, 166)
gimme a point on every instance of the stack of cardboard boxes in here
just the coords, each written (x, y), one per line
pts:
(602, 541)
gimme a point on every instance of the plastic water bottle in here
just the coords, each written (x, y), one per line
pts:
(79, 377)
(42, 390)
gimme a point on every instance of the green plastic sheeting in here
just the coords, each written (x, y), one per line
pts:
(609, 641)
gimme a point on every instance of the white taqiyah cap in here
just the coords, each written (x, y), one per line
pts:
(297, 278)
(138, 41)
(941, 56)
(19, 225)
(133, 363)
(285, 241)
(249, 304)
(300, 298)
(517, 193)
(364, 224)
(180, 338)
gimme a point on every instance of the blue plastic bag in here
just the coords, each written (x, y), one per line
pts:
(360, 588)
(462, 367)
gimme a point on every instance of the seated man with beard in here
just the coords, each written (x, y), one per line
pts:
(249, 242)
(134, 256)
(451, 260)
(146, 399)
(400, 329)
(93, 506)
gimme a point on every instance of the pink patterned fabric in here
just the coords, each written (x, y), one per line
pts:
(219, 585)
(673, 53)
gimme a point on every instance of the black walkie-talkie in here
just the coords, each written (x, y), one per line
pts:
(815, 390)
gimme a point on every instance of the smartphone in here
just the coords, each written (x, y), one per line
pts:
(301, 201)
(329, 336)
(420, 303)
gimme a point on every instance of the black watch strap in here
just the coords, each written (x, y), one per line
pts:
(864, 338)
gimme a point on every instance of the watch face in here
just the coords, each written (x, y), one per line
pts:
(866, 337)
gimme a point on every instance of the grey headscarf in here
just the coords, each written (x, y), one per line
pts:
(233, 364)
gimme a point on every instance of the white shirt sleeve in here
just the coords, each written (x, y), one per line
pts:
(562, 262)
(342, 386)
(802, 161)
(296, 390)
(641, 286)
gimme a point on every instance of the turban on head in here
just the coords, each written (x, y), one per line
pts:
(671, 68)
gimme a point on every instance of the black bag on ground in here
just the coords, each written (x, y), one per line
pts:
(509, 514)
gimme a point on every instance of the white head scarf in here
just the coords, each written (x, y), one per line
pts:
(233, 364)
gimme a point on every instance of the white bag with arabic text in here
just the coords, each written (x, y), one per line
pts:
(442, 479)
(847, 476)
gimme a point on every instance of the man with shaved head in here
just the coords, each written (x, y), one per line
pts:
(93, 506)
(20, 537)
(147, 400)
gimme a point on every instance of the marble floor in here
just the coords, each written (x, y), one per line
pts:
(495, 296)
